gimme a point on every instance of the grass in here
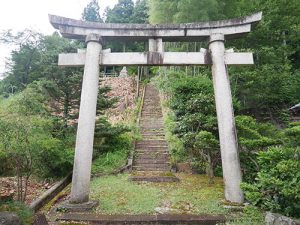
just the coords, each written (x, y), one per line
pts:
(108, 162)
(192, 195)
(117, 195)
(114, 159)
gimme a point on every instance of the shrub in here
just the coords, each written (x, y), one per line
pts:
(277, 185)
(253, 137)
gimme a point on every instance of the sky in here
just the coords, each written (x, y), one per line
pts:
(20, 14)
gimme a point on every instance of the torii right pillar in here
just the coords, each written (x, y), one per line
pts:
(226, 122)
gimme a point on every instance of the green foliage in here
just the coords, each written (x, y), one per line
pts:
(121, 12)
(176, 147)
(22, 210)
(207, 147)
(254, 137)
(23, 63)
(250, 215)
(115, 155)
(182, 11)
(292, 134)
(192, 101)
(27, 137)
(92, 12)
(277, 186)
(140, 12)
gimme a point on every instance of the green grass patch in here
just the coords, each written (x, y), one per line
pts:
(193, 194)
(250, 215)
(109, 162)
(115, 158)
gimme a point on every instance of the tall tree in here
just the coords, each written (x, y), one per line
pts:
(121, 12)
(140, 12)
(92, 12)
(162, 11)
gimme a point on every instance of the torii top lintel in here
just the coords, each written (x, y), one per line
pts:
(77, 29)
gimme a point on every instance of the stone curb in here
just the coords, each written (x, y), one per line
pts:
(145, 219)
(51, 193)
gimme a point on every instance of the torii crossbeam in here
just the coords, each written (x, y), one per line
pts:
(96, 33)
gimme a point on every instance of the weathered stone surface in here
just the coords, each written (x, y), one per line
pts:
(9, 218)
(277, 219)
(86, 123)
(81, 207)
(226, 123)
(124, 72)
(40, 219)
(232, 28)
(145, 219)
(154, 58)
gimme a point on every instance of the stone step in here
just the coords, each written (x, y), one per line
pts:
(154, 166)
(152, 136)
(152, 149)
(150, 161)
(152, 120)
(155, 179)
(153, 133)
(159, 219)
(158, 141)
(145, 146)
(162, 156)
(151, 169)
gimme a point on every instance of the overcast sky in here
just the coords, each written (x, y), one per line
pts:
(20, 14)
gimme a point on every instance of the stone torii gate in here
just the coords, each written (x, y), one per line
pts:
(96, 33)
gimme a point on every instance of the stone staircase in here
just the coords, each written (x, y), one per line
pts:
(151, 157)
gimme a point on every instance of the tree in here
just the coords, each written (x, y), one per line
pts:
(162, 11)
(121, 12)
(140, 12)
(207, 147)
(26, 131)
(92, 12)
(23, 63)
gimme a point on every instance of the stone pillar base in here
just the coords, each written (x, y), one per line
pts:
(81, 207)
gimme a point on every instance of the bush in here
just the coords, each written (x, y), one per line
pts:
(253, 137)
(277, 186)
(292, 134)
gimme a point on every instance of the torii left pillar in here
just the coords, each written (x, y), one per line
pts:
(86, 125)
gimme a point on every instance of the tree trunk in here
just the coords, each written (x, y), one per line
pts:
(210, 169)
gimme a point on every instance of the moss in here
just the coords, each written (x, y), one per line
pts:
(59, 196)
(192, 195)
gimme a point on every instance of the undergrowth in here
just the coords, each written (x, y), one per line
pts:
(23, 211)
(115, 158)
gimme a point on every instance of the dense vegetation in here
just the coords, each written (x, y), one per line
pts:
(262, 94)
(39, 101)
